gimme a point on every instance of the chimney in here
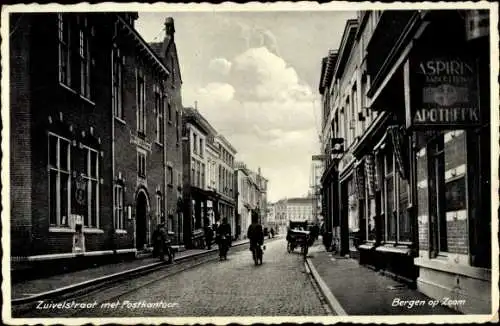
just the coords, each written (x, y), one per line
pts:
(259, 170)
(169, 26)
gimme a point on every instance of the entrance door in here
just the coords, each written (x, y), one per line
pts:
(344, 219)
(140, 220)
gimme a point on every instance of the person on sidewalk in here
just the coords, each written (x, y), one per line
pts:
(208, 234)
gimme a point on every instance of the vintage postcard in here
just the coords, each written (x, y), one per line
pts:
(250, 163)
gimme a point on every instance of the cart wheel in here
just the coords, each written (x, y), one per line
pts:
(305, 250)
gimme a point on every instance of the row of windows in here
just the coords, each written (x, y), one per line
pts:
(75, 36)
(198, 145)
(226, 157)
(197, 174)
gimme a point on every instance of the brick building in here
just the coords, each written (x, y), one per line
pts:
(172, 116)
(60, 148)
(418, 137)
(107, 153)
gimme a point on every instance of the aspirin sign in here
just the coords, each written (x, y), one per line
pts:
(445, 93)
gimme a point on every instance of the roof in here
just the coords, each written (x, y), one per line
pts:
(299, 200)
(224, 140)
(193, 116)
(348, 38)
(327, 70)
(144, 46)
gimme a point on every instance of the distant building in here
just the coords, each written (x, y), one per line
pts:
(300, 209)
(251, 196)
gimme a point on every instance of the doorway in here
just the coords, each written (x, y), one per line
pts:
(140, 220)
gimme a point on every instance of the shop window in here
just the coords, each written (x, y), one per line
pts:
(59, 180)
(390, 209)
(448, 194)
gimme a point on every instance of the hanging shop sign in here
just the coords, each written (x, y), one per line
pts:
(444, 92)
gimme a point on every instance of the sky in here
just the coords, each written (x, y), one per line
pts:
(255, 78)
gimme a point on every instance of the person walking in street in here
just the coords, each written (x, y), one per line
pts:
(272, 232)
(223, 238)
(255, 234)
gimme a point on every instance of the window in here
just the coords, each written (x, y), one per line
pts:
(202, 175)
(85, 59)
(201, 147)
(59, 179)
(159, 113)
(92, 178)
(448, 193)
(193, 171)
(141, 163)
(64, 49)
(169, 112)
(141, 102)
(170, 176)
(195, 143)
(118, 206)
(117, 83)
(177, 124)
(198, 175)
(159, 206)
(390, 209)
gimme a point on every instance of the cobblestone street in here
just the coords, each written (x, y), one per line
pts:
(279, 287)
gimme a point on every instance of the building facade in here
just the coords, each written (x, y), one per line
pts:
(300, 209)
(420, 148)
(60, 150)
(196, 130)
(249, 196)
(140, 101)
(170, 116)
(226, 193)
(317, 168)
(280, 209)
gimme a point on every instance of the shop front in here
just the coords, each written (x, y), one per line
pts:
(449, 118)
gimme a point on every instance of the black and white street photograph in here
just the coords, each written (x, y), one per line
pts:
(250, 163)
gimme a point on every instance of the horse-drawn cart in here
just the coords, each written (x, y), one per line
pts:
(298, 235)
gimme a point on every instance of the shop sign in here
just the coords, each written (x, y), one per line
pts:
(444, 92)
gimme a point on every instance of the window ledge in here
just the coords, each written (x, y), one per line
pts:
(86, 99)
(396, 250)
(120, 120)
(61, 229)
(120, 231)
(479, 273)
(92, 230)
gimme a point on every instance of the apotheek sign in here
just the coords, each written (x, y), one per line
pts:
(445, 93)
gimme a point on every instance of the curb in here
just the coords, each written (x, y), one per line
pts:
(107, 278)
(330, 298)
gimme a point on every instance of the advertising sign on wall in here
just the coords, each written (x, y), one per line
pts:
(444, 92)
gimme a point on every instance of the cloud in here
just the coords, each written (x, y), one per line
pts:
(218, 91)
(220, 65)
(259, 75)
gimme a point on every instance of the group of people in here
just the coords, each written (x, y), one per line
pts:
(220, 231)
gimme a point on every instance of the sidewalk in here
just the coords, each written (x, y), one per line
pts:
(353, 289)
(39, 286)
